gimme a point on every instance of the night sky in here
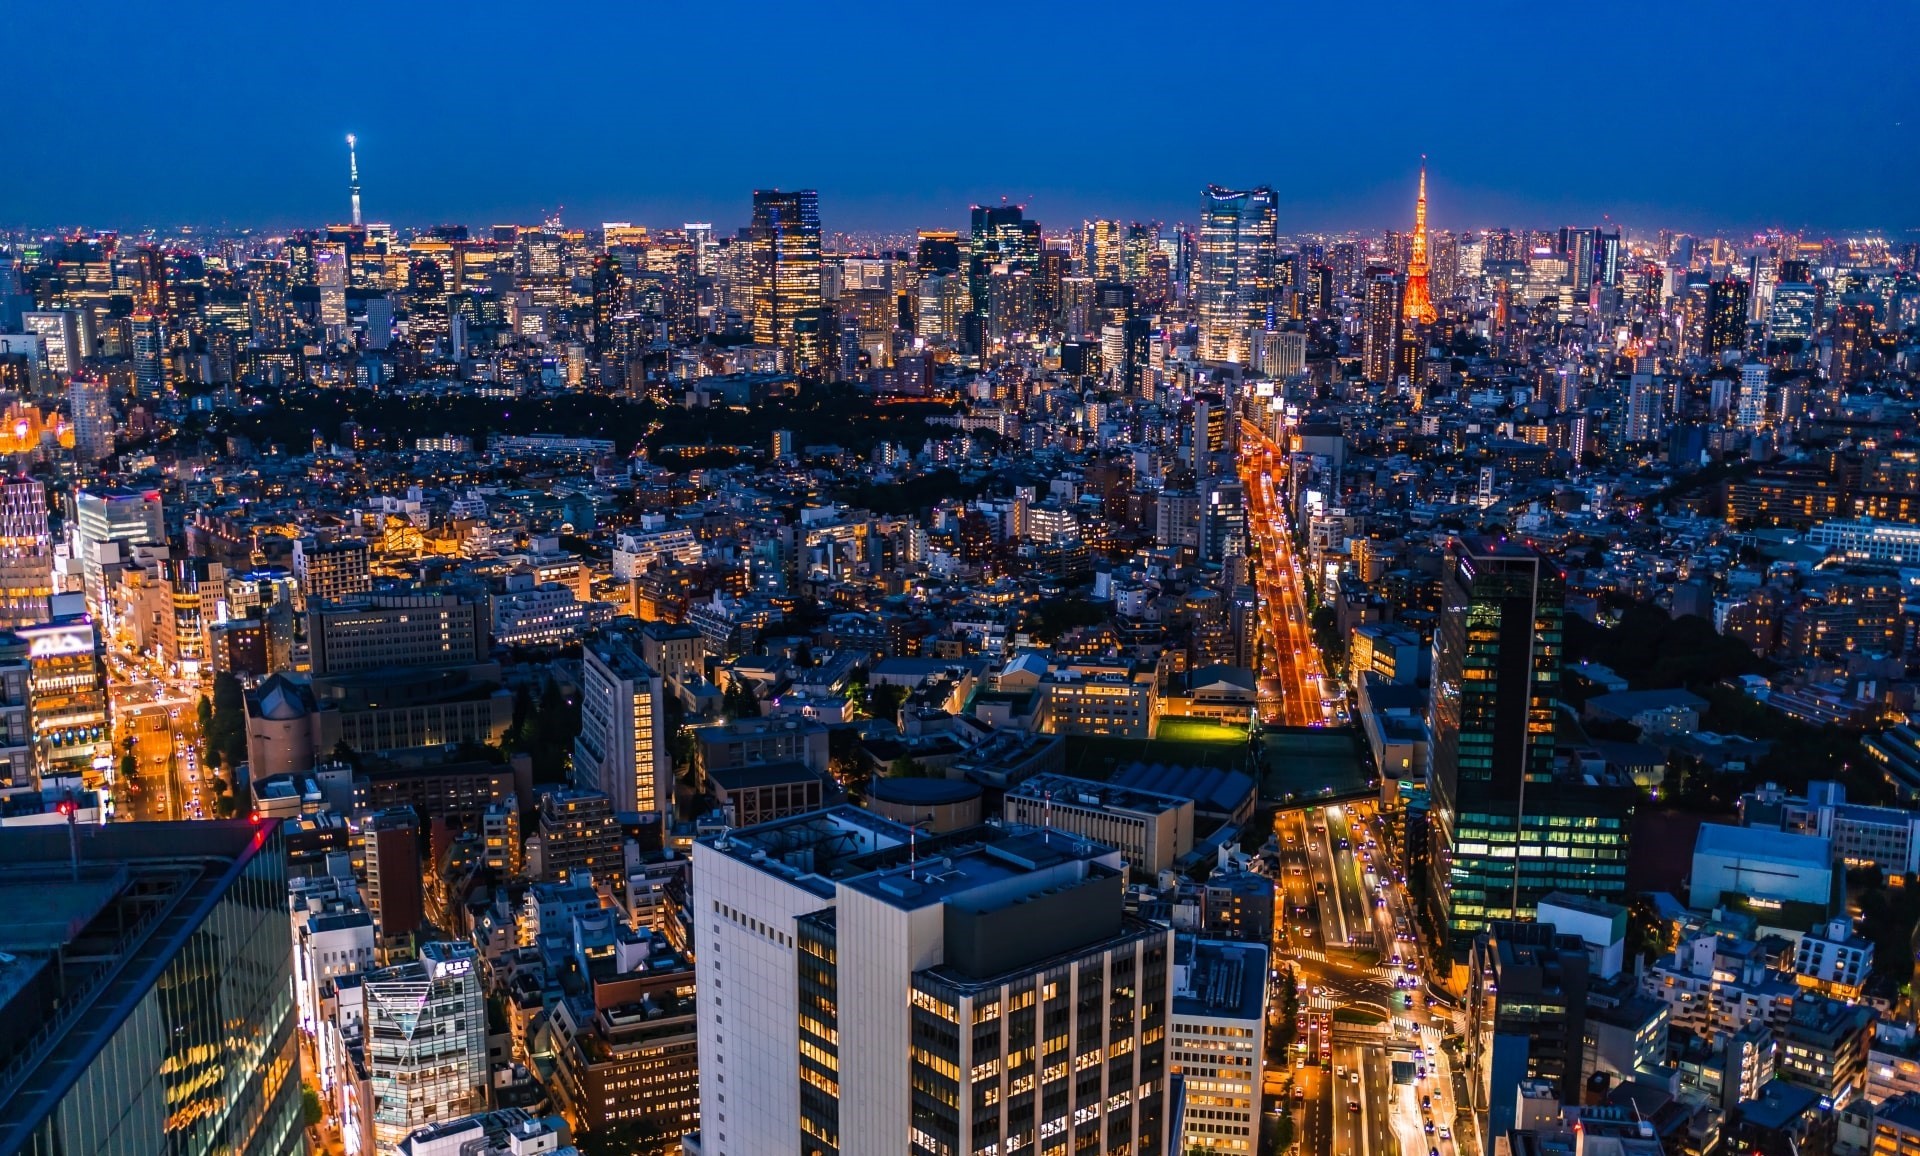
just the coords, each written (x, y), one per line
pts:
(1687, 113)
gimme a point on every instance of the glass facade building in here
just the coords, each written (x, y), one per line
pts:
(1505, 830)
(787, 307)
(146, 996)
(1237, 250)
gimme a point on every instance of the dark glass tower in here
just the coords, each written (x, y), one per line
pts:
(788, 309)
(146, 996)
(1505, 829)
(1726, 315)
(1000, 235)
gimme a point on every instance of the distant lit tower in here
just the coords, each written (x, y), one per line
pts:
(353, 178)
(1726, 315)
(1233, 277)
(1416, 307)
(787, 309)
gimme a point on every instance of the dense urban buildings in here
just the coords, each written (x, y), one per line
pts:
(1017, 685)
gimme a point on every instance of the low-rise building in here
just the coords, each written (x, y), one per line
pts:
(1150, 830)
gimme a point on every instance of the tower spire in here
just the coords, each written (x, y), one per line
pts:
(1416, 304)
(353, 176)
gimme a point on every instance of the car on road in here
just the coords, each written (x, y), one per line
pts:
(1354, 1106)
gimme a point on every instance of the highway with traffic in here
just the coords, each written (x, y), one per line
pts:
(1367, 1075)
(1294, 689)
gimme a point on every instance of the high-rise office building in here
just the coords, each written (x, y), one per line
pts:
(1380, 325)
(1795, 311)
(1234, 269)
(26, 553)
(1726, 315)
(146, 998)
(621, 750)
(1504, 832)
(60, 331)
(149, 355)
(1105, 251)
(788, 311)
(1035, 1014)
(609, 285)
(376, 632)
(92, 411)
(426, 1040)
(105, 522)
(1750, 405)
(1219, 1043)
(1000, 239)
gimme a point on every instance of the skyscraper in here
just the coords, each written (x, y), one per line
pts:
(1726, 315)
(146, 998)
(1750, 404)
(609, 299)
(1380, 324)
(353, 177)
(787, 307)
(1234, 269)
(149, 355)
(1416, 306)
(1001, 239)
(1504, 831)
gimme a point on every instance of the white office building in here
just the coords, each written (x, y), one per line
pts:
(1867, 540)
(982, 991)
(1219, 1042)
(621, 750)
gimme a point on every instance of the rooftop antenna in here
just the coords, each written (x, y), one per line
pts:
(353, 176)
(1046, 818)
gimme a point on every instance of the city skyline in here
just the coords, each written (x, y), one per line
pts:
(657, 143)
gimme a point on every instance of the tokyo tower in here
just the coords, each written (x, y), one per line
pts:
(1416, 305)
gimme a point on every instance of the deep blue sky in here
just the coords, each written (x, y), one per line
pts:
(1693, 113)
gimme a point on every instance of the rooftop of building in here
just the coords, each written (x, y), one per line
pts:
(1778, 1105)
(1213, 789)
(979, 866)
(1585, 904)
(753, 775)
(912, 790)
(1814, 1015)
(813, 849)
(1781, 847)
(1901, 1111)
(1069, 791)
(1627, 703)
(1219, 979)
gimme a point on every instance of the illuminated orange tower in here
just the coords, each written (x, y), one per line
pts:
(1416, 305)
